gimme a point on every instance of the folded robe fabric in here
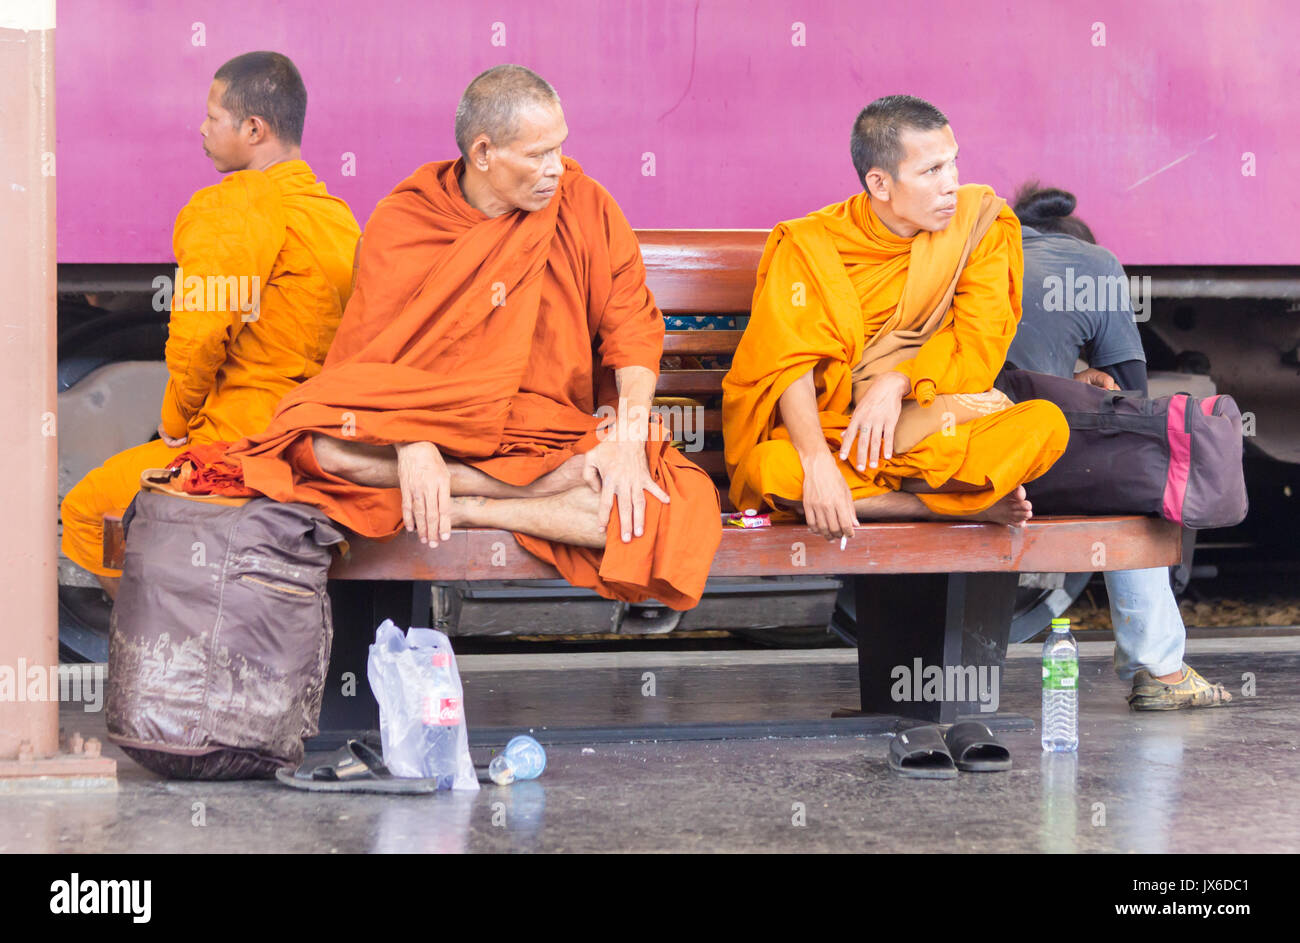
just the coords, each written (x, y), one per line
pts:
(495, 338)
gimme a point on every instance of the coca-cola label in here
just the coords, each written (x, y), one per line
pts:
(441, 711)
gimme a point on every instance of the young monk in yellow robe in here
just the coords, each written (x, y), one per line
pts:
(862, 386)
(264, 267)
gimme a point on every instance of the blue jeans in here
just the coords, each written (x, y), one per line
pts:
(1149, 631)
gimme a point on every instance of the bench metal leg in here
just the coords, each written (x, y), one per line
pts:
(920, 636)
(358, 608)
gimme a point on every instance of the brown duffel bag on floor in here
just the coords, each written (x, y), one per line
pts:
(220, 636)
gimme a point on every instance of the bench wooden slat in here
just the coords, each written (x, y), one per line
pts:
(1045, 545)
(713, 462)
(712, 420)
(702, 271)
(690, 382)
(703, 422)
(1054, 545)
(702, 342)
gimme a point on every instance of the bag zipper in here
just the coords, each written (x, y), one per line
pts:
(278, 587)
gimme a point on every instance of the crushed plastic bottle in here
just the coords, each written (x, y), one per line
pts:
(523, 758)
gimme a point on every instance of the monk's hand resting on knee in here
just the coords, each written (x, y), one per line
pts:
(874, 419)
(618, 471)
(426, 491)
(827, 500)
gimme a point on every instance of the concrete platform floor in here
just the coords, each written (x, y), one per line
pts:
(1222, 780)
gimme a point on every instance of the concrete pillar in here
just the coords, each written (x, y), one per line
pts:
(29, 628)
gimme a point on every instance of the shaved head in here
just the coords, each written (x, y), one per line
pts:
(495, 100)
(905, 155)
(266, 85)
(877, 132)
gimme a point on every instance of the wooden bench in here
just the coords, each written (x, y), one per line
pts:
(935, 591)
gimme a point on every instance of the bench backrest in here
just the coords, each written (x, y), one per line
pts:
(703, 281)
(690, 271)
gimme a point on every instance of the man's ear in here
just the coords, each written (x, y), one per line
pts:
(877, 184)
(478, 152)
(258, 132)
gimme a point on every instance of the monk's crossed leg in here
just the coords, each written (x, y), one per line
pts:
(1036, 429)
(557, 506)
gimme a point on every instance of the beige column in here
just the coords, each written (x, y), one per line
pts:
(29, 632)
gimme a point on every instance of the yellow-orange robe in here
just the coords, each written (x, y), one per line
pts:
(826, 284)
(496, 339)
(264, 269)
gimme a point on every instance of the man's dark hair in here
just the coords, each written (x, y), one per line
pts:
(875, 140)
(492, 102)
(265, 84)
(1050, 210)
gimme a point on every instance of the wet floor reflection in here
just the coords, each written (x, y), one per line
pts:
(442, 824)
(523, 807)
(1150, 780)
(1058, 805)
(425, 825)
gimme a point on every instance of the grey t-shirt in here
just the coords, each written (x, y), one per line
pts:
(1073, 307)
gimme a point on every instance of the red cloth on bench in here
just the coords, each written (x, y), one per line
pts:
(211, 472)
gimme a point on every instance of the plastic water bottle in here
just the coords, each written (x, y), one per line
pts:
(442, 719)
(1060, 690)
(523, 758)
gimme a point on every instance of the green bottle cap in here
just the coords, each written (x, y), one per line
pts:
(1064, 623)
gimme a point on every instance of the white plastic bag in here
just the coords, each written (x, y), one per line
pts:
(421, 706)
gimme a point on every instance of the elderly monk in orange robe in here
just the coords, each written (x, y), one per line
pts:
(862, 387)
(500, 305)
(264, 268)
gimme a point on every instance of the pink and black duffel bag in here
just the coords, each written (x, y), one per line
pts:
(1177, 456)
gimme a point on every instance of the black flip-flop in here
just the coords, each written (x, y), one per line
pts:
(975, 749)
(920, 753)
(354, 767)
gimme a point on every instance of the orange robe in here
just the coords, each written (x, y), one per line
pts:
(827, 283)
(496, 339)
(264, 269)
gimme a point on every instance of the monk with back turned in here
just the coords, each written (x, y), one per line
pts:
(264, 266)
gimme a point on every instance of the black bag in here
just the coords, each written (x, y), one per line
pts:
(220, 636)
(1178, 456)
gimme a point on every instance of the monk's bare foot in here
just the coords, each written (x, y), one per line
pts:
(562, 479)
(1013, 509)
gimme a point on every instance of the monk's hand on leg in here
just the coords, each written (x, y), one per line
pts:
(619, 471)
(874, 419)
(827, 500)
(426, 491)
